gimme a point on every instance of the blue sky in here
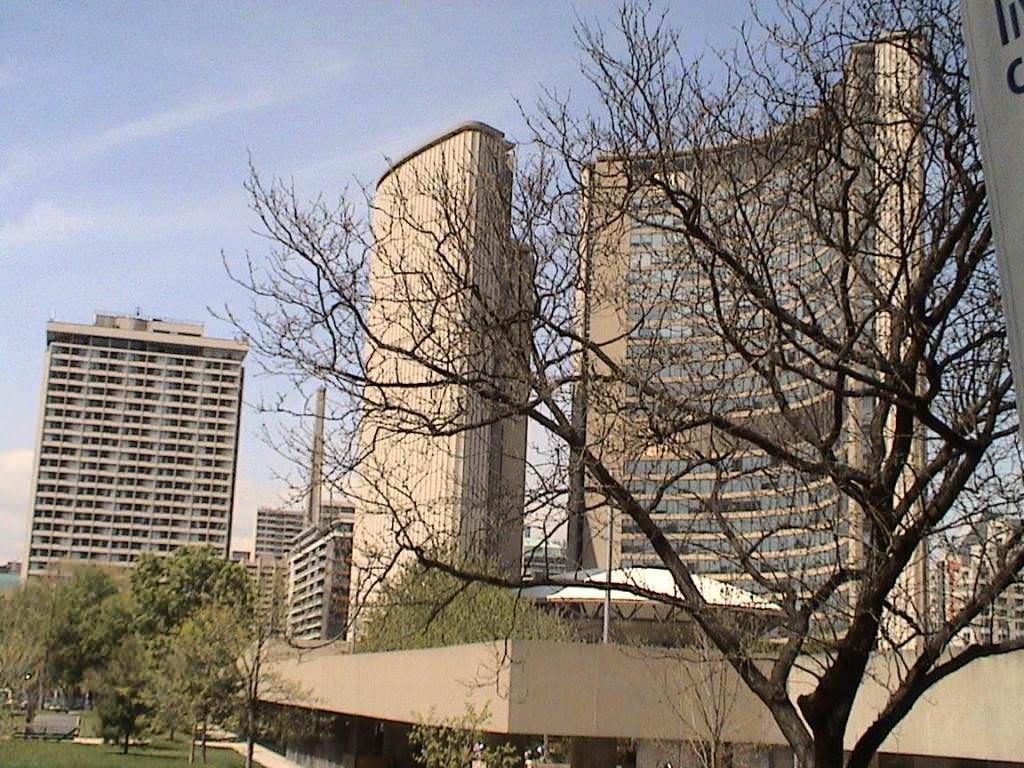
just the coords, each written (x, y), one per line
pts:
(125, 130)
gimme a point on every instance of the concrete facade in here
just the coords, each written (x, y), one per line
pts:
(596, 693)
(443, 266)
(137, 442)
(650, 308)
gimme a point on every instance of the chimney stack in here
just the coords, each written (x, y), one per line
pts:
(316, 473)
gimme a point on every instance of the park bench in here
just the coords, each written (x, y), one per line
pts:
(47, 734)
(51, 728)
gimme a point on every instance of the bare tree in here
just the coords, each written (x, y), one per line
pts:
(762, 327)
(707, 707)
(716, 702)
(258, 679)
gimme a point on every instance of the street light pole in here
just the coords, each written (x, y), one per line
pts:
(606, 629)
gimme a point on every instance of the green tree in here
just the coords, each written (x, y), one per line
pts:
(201, 676)
(55, 631)
(170, 703)
(90, 615)
(168, 590)
(426, 608)
(22, 651)
(122, 691)
(28, 636)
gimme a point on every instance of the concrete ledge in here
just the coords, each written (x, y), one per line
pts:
(610, 691)
(260, 754)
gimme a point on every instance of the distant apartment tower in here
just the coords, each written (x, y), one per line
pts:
(269, 576)
(137, 442)
(319, 559)
(276, 530)
(443, 261)
(968, 566)
(319, 573)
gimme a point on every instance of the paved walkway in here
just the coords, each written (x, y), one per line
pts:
(260, 755)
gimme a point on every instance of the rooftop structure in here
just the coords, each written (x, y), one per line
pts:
(137, 441)
(644, 586)
(543, 555)
(644, 605)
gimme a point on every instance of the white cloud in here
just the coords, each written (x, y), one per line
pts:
(175, 119)
(45, 221)
(327, 61)
(380, 149)
(48, 221)
(31, 161)
(15, 482)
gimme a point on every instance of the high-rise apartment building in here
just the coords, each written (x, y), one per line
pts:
(965, 567)
(318, 561)
(269, 578)
(137, 442)
(302, 569)
(276, 530)
(657, 316)
(319, 575)
(443, 267)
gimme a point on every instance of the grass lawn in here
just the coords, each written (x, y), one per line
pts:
(39, 754)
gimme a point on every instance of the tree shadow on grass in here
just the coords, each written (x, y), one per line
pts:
(173, 757)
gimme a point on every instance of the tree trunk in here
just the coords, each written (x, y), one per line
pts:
(192, 745)
(124, 748)
(204, 741)
(828, 750)
(250, 733)
(32, 696)
(253, 692)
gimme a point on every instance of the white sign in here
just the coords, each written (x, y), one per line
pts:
(994, 32)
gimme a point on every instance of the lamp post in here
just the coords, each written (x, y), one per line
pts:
(606, 628)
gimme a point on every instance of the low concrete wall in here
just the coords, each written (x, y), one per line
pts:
(609, 691)
(624, 692)
(405, 686)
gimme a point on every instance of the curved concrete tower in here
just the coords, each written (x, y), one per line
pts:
(444, 466)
